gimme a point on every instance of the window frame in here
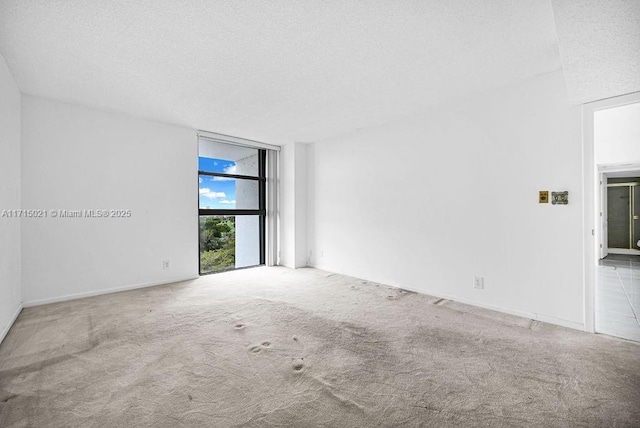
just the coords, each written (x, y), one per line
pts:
(261, 211)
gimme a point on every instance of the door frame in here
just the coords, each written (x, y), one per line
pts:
(592, 229)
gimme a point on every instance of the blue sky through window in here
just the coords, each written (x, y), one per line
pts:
(217, 192)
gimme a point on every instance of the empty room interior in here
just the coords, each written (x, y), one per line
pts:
(319, 213)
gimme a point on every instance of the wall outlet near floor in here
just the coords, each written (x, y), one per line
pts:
(478, 282)
(166, 264)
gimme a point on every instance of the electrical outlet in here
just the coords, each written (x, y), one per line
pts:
(478, 282)
(166, 264)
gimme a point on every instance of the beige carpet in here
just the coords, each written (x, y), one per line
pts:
(272, 347)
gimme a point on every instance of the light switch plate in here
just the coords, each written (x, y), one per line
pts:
(544, 197)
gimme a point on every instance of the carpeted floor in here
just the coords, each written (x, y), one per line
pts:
(280, 348)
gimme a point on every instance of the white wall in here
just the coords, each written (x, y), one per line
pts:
(286, 212)
(293, 205)
(301, 205)
(77, 158)
(432, 201)
(617, 135)
(10, 295)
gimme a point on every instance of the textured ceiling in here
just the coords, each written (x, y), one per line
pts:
(600, 47)
(274, 71)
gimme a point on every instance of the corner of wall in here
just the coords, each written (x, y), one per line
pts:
(156, 214)
(301, 205)
(12, 320)
(10, 196)
(293, 205)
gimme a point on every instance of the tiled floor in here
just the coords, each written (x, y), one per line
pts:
(618, 296)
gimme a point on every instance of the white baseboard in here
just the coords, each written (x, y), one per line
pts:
(6, 329)
(523, 314)
(104, 291)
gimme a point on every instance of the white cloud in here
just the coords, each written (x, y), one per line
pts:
(222, 179)
(199, 179)
(206, 192)
(231, 169)
(224, 201)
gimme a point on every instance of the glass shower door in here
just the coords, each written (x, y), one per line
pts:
(618, 213)
(636, 217)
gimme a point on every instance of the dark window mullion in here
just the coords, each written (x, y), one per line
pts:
(225, 212)
(262, 157)
(237, 176)
(262, 186)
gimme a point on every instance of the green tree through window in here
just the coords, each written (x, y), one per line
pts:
(217, 243)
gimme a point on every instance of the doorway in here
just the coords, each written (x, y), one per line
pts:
(617, 294)
(612, 255)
